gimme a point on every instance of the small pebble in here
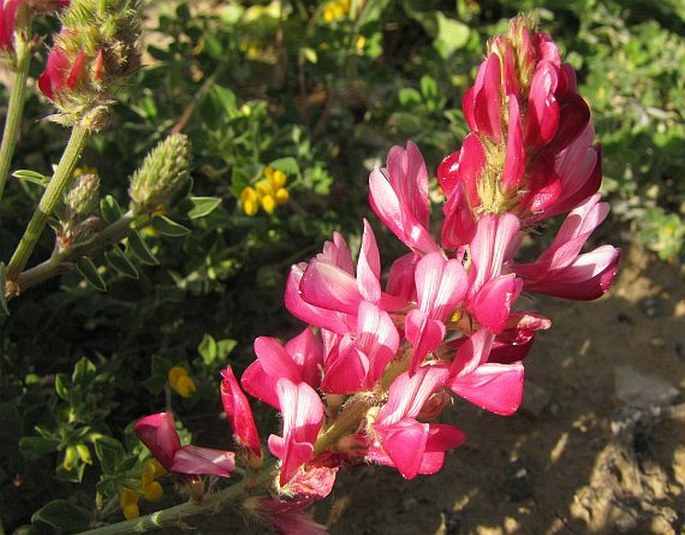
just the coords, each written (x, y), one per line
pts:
(518, 481)
(622, 317)
(652, 307)
(657, 342)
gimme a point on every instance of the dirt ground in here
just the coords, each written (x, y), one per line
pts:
(592, 451)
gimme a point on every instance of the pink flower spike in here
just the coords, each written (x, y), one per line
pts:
(399, 197)
(302, 412)
(240, 416)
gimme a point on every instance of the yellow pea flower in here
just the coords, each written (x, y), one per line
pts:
(249, 199)
(181, 382)
(153, 492)
(128, 502)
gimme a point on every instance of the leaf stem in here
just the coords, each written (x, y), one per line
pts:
(15, 110)
(62, 261)
(52, 195)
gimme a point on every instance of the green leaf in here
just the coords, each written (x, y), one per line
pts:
(84, 372)
(110, 453)
(38, 446)
(208, 349)
(110, 209)
(61, 387)
(167, 227)
(451, 35)
(138, 248)
(288, 165)
(62, 515)
(4, 310)
(225, 347)
(28, 175)
(202, 206)
(90, 273)
(409, 96)
(119, 261)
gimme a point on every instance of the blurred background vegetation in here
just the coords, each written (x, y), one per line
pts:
(288, 105)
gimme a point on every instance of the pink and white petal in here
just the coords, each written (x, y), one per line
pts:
(409, 178)
(259, 384)
(193, 460)
(405, 443)
(492, 304)
(401, 277)
(298, 307)
(369, 266)
(305, 351)
(425, 335)
(515, 157)
(327, 286)
(472, 352)
(497, 388)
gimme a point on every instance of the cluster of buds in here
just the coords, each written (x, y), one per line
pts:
(367, 378)
(164, 172)
(94, 51)
(77, 217)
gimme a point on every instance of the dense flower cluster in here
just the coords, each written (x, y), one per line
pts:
(94, 51)
(378, 362)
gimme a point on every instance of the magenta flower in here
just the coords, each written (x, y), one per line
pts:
(240, 416)
(561, 270)
(299, 361)
(492, 291)
(403, 441)
(540, 161)
(441, 285)
(302, 412)
(399, 196)
(158, 433)
(492, 386)
(356, 361)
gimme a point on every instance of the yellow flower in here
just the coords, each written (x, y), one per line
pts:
(128, 502)
(268, 203)
(153, 492)
(336, 9)
(180, 382)
(249, 199)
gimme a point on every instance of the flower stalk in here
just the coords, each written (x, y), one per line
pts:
(15, 109)
(51, 197)
(179, 514)
(62, 261)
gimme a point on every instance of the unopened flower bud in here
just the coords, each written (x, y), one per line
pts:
(164, 171)
(77, 220)
(8, 13)
(94, 51)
